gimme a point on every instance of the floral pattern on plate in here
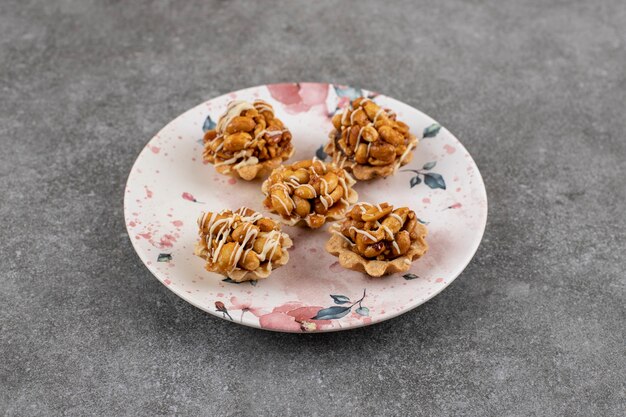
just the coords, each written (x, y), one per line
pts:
(169, 185)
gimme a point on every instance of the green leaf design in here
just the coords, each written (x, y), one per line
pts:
(208, 124)
(415, 181)
(230, 281)
(434, 180)
(429, 165)
(432, 130)
(164, 257)
(409, 276)
(340, 299)
(320, 154)
(363, 311)
(331, 313)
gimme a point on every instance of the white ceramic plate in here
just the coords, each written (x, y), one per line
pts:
(169, 186)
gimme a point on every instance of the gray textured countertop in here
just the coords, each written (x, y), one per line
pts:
(534, 326)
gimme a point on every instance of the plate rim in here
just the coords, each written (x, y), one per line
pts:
(392, 315)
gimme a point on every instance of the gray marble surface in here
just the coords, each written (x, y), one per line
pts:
(536, 90)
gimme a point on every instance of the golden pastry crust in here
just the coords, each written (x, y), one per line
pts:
(309, 192)
(368, 141)
(378, 240)
(248, 141)
(242, 245)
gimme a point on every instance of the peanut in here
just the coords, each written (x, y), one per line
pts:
(353, 136)
(259, 242)
(305, 192)
(250, 261)
(374, 214)
(281, 202)
(404, 242)
(265, 224)
(209, 135)
(302, 164)
(369, 133)
(336, 194)
(402, 127)
(362, 242)
(316, 220)
(239, 234)
(318, 167)
(302, 175)
(383, 152)
(240, 124)
(361, 154)
(331, 180)
(374, 250)
(223, 260)
(377, 162)
(359, 117)
(319, 206)
(344, 146)
(236, 141)
(390, 135)
(371, 109)
(303, 207)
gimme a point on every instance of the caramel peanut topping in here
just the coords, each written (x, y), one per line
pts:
(369, 136)
(378, 231)
(247, 134)
(309, 190)
(242, 240)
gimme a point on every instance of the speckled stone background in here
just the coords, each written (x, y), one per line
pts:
(536, 90)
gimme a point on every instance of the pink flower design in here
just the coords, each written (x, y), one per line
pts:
(300, 97)
(189, 197)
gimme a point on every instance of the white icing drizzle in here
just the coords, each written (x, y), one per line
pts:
(378, 113)
(234, 109)
(379, 207)
(342, 184)
(253, 160)
(274, 133)
(280, 185)
(261, 106)
(292, 182)
(271, 244)
(338, 233)
(345, 115)
(386, 229)
(326, 203)
(396, 247)
(358, 139)
(323, 182)
(409, 148)
(235, 157)
(364, 233)
(398, 218)
(309, 186)
(251, 233)
(283, 204)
